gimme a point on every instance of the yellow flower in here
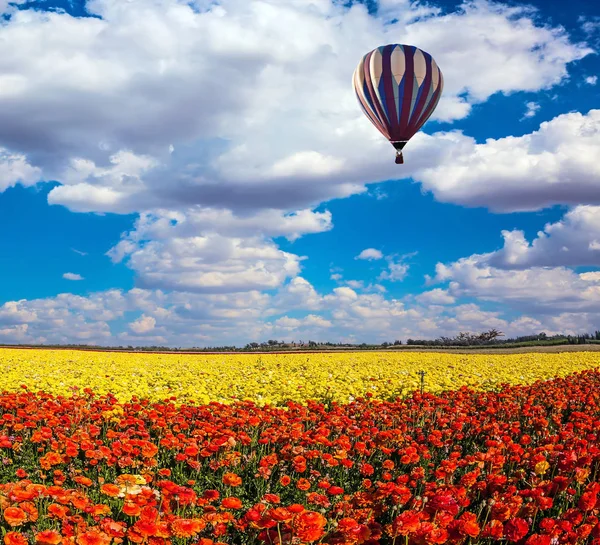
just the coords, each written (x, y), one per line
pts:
(273, 378)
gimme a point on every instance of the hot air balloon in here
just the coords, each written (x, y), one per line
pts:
(398, 87)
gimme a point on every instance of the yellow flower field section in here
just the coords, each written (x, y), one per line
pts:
(275, 378)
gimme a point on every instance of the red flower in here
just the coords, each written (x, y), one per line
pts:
(587, 501)
(405, 523)
(538, 539)
(516, 529)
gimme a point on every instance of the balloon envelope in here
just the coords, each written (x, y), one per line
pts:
(398, 87)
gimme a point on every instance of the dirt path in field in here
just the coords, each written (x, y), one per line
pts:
(521, 350)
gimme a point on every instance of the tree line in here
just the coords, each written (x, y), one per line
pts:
(488, 338)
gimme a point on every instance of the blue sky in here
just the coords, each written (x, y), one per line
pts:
(147, 195)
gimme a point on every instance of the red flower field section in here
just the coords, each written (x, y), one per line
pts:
(515, 466)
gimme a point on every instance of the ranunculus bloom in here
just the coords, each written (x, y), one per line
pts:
(187, 527)
(111, 490)
(48, 537)
(231, 503)
(308, 526)
(93, 537)
(15, 538)
(15, 516)
(231, 479)
(516, 529)
(405, 523)
(538, 539)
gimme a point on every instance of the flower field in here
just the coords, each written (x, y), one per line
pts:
(275, 379)
(519, 464)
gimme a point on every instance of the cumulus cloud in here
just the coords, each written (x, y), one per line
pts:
(72, 276)
(535, 290)
(436, 296)
(14, 169)
(591, 80)
(160, 103)
(556, 164)
(370, 254)
(188, 252)
(209, 319)
(144, 324)
(571, 242)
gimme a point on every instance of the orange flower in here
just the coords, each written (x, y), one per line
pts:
(48, 537)
(131, 509)
(58, 511)
(50, 459)
(93, 537)
(187, 527)
(111, 490)
(85, 481)
(231, 503)
(15, 516)
(149, 450)
(309, 526)
(280, 514)
(101, 509)
(231, 479)
(15, 538)
(30, 509)
(303, 484)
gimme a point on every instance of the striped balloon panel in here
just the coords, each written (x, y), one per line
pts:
(398, 87)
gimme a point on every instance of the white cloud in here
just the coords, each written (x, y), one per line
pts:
(182, 252)
(144, 324)
(533, 290)
(532, 109)
(310, 321)
(556, 164)
(370, 254)
(436, 296)
(396, 272)
(15, 312)
(208, 319)
(591, 80)
(14, 169)
(15, 334)
(572, 242)
(155, 104)
(210, 263)
(397, 268)
(72, 276)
